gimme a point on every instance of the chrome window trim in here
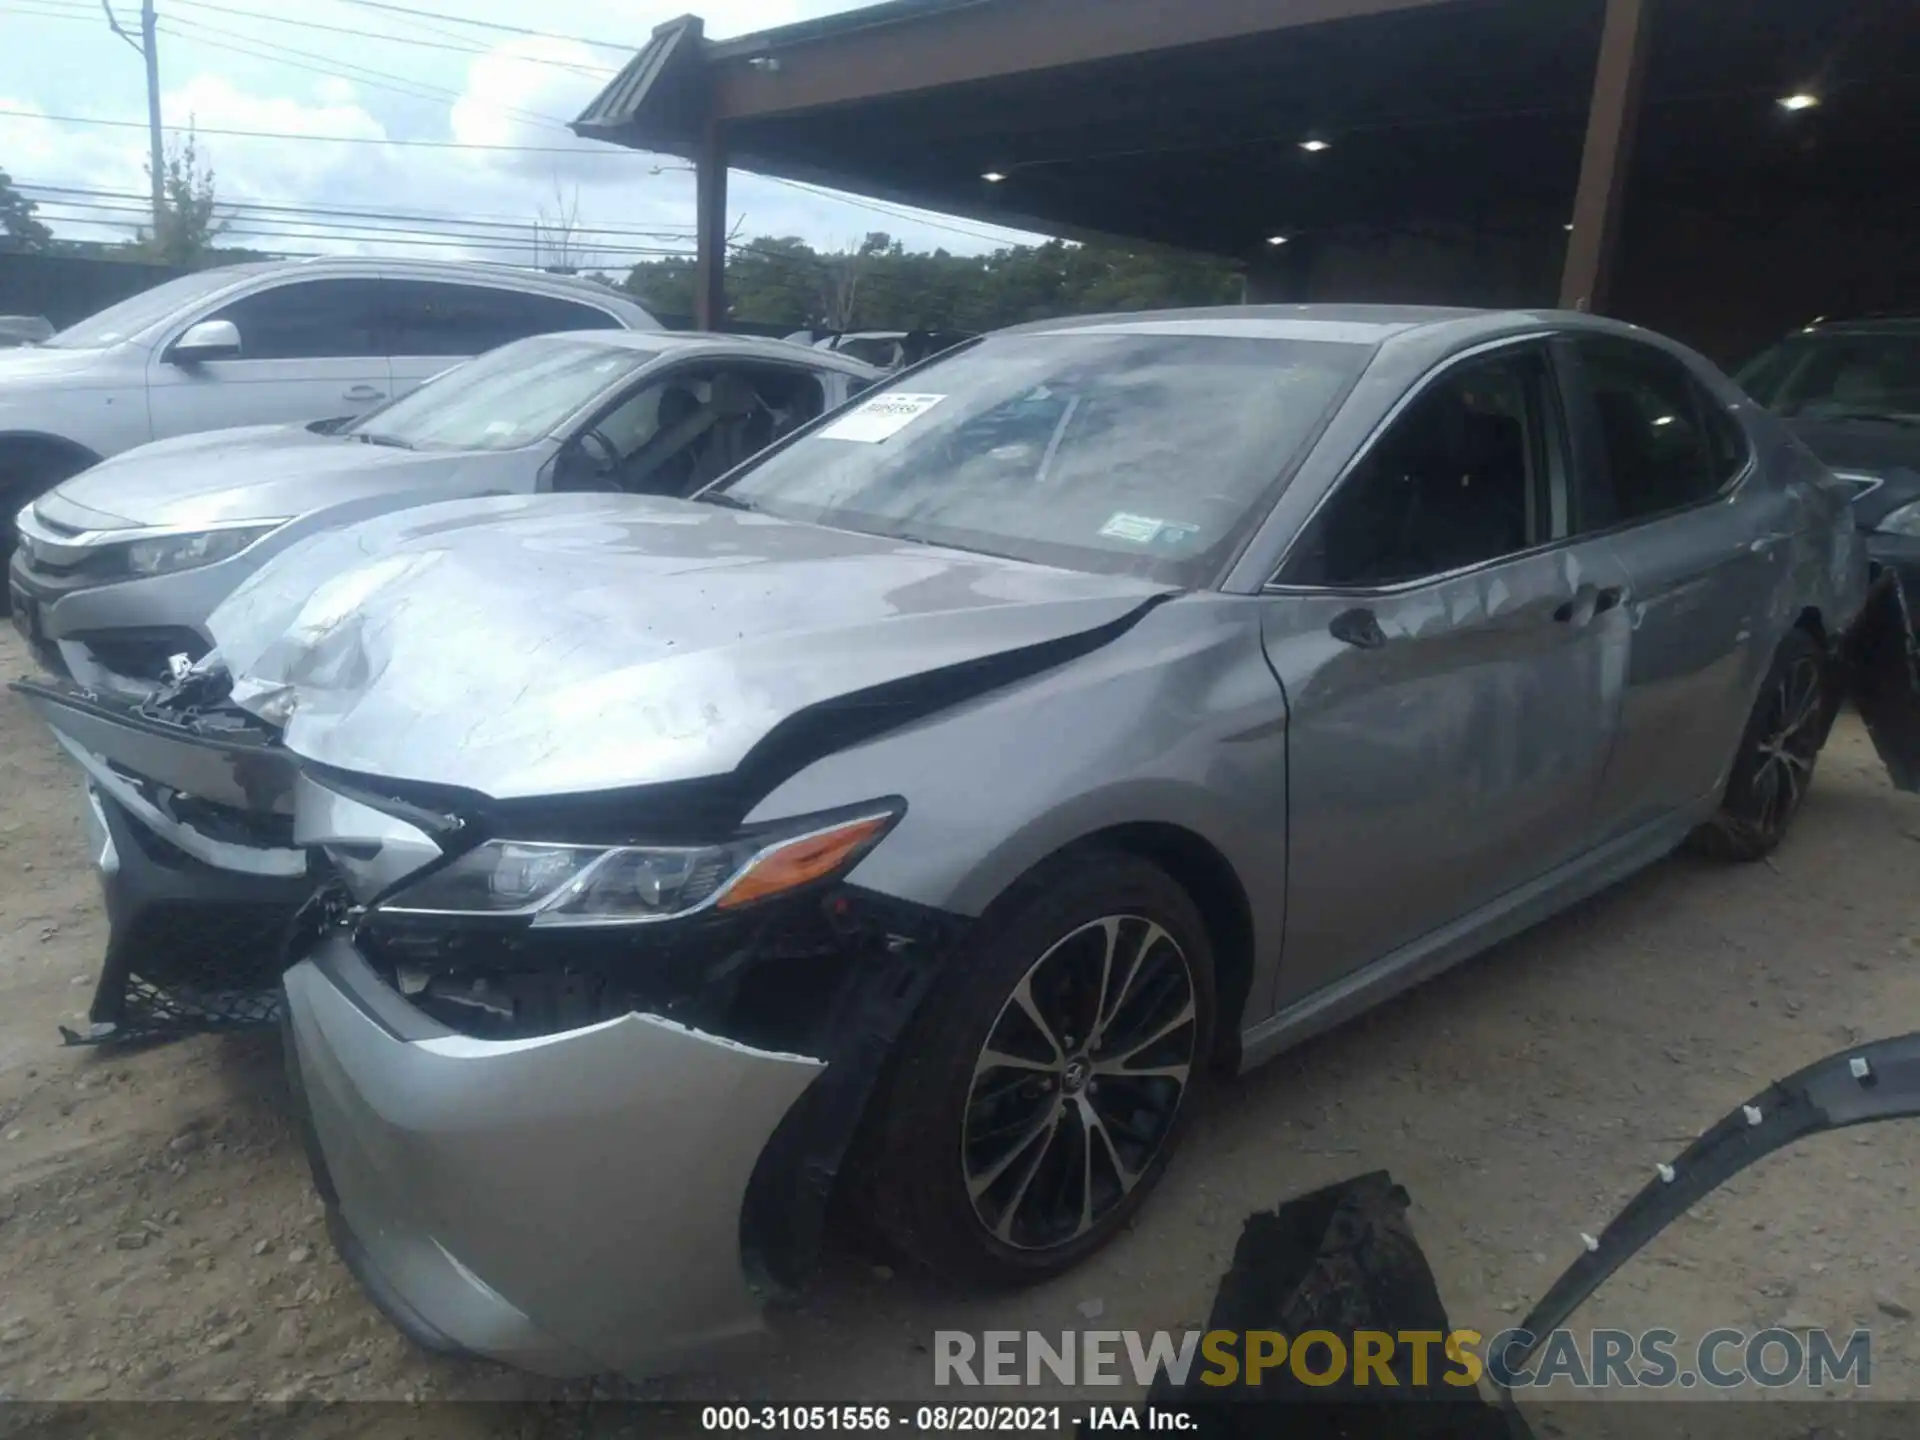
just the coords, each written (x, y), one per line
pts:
(1472, 355)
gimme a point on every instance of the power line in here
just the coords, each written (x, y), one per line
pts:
(881, 207)
(609, 150)
(63, 194)
(458, 49)
(108, 214)
(338, 69)
(626, 45)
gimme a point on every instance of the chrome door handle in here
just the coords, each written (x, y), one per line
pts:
(362, 392)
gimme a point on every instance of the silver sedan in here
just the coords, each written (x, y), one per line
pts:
(921, 811)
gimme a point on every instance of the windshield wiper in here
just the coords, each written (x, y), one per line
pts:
(730, 502)
(374, 437)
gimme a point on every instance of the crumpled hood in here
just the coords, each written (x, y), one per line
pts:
(562, 644)
(259, 472)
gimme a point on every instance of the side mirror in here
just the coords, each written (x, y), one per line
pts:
(209, 340)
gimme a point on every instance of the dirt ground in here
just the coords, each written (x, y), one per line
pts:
(159, 1237)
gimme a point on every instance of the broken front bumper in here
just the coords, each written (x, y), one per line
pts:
(570, 1204)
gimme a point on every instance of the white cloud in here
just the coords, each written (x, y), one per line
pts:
(489, 88)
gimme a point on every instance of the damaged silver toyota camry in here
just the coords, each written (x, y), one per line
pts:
(915, 817)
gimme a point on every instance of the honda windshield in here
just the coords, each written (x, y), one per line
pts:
(504, 399)
(1123, 452)
(1841, 375)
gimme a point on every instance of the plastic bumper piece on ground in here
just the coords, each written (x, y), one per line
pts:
(568, 1204)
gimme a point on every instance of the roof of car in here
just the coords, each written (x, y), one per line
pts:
(1865, 324)
(741, 346)
(441, 269)
(1427, 327)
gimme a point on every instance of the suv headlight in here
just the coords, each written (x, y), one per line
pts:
(1904, 521)
(554, 885)
(165, 554)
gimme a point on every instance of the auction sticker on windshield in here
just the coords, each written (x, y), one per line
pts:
(880, 417)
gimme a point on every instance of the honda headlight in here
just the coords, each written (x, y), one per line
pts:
(164, 554)
(554, 884)
(1904, 521)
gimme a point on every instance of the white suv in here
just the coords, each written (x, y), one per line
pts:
(281, 340)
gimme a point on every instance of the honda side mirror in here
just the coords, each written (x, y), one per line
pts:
(209, 340)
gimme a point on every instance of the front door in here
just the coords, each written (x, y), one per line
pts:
(1452, 667)
(309, 350)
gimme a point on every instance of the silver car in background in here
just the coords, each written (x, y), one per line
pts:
(921, 812)
(119, 567)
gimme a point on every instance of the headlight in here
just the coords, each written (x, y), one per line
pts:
(165, 554)
(554, 885)
(1904, 521)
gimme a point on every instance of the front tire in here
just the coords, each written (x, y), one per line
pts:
(1774, 765)
(1048, 1075)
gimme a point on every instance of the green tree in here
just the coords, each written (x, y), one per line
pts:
(189, 223)
(881, 285)
(21, 230)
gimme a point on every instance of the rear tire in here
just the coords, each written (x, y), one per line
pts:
(1019, 1132)
(1774, 765)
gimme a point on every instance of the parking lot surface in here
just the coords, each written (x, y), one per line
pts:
(159, 1237)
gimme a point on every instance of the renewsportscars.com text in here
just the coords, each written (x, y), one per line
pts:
(1585, 1359)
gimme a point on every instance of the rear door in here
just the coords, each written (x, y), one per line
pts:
(309, 350)
(431, 324)
(1705, 555)
(1452, 664)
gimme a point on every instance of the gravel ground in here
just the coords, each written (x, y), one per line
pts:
(159, 1237)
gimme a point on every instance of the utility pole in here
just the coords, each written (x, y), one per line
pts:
(149, 48)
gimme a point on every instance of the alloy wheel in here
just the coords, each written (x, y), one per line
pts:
(1077, 1086)
(1790, 745)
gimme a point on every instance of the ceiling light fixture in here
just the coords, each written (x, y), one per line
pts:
(1799, 100)
(1314, 147)
(993, 177)
(1276, 239)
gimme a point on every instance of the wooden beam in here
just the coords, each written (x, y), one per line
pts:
(1611, 122)
(710, 230)
(763, 75)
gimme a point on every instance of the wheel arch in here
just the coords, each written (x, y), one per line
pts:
(1200, 867)
(41, 443)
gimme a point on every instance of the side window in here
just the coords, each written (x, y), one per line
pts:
(307, 320)
(1461, 477)
(427, 317)
(677, 432)
(1657, 430)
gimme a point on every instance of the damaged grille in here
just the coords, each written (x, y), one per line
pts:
(757, 979)
(191, 968)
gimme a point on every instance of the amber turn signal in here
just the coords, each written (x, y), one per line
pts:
(802, 860)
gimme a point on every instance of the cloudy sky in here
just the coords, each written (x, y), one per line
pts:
(495, 99)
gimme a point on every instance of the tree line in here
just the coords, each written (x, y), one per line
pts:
(881, 285)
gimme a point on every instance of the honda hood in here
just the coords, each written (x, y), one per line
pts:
(559, 644)
(261, 472)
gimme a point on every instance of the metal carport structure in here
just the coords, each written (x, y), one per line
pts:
(1632, 156)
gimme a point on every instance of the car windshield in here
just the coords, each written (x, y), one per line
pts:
(1118, 451)
(1863, 375)
(134, 314)
(503, 399)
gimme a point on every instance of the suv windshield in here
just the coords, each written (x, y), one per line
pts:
(1857, 375)
(1131, 453)
(134, 314)
(507, 398)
